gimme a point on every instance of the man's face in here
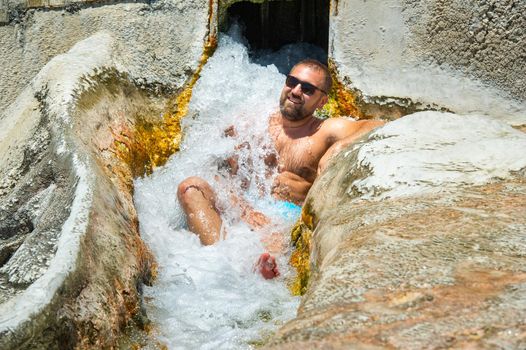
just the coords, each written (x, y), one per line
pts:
(294, 104)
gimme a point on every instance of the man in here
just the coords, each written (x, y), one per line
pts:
(304, 145)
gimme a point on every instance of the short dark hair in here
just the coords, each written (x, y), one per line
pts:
(317, 65)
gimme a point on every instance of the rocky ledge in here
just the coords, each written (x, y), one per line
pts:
(418, 262)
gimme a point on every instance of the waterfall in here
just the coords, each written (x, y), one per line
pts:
(208, 297)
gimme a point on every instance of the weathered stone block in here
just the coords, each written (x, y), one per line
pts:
(36, 3)
(57, 3)
(4, 16)
(465, 56)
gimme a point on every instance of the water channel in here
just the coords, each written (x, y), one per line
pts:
(209, 297)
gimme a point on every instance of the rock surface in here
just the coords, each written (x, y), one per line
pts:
(77, 77)
(438, 268)
(159, 43)
(462, 56)
(71, 259)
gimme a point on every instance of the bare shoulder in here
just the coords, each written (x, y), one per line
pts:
(337, 129)
(333, 124)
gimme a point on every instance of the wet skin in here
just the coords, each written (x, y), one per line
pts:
(303, 142)
(304, 145)
(267, 267)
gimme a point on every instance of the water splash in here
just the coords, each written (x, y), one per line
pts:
(209, 297)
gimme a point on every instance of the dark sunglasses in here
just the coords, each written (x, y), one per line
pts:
(307, 88)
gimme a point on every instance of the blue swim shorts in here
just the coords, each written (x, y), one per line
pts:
(288, 210)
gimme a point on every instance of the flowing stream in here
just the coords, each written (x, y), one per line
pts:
(209, 297)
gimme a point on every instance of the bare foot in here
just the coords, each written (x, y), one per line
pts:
(267, 266)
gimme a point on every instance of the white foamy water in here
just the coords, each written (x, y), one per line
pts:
(434, 151)
(209, 297)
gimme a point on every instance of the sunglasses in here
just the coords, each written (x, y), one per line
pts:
(307, 88)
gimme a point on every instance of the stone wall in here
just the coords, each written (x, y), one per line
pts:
(4, 15)
(158, 43)
(463, 56)
(81, 82)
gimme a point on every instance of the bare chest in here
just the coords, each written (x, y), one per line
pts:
(299, 155)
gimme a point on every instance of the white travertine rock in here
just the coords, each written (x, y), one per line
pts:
(74, 78)
(159, 43)
(433, 151)
(429, 52)
(59, 80)
(420, 268)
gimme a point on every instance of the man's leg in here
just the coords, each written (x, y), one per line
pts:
(199, 205)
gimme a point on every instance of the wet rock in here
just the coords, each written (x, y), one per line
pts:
(14, 224)
(72, 261)
(430, 269)
(405, 49)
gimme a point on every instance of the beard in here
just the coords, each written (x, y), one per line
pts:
(290, 110)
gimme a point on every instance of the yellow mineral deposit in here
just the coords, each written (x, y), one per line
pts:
(342, 101)
(150, 144)
(301, 235)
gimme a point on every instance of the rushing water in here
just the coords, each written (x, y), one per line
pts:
(209, 297)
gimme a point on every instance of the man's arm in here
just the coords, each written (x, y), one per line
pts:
(290, 187)
(255, 219)
(342, 133)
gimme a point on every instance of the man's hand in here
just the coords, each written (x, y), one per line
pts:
(255, 219)
(252, 217)
(230, 131)
(291, 187)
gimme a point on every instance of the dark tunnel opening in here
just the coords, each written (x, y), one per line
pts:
(271, 25)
